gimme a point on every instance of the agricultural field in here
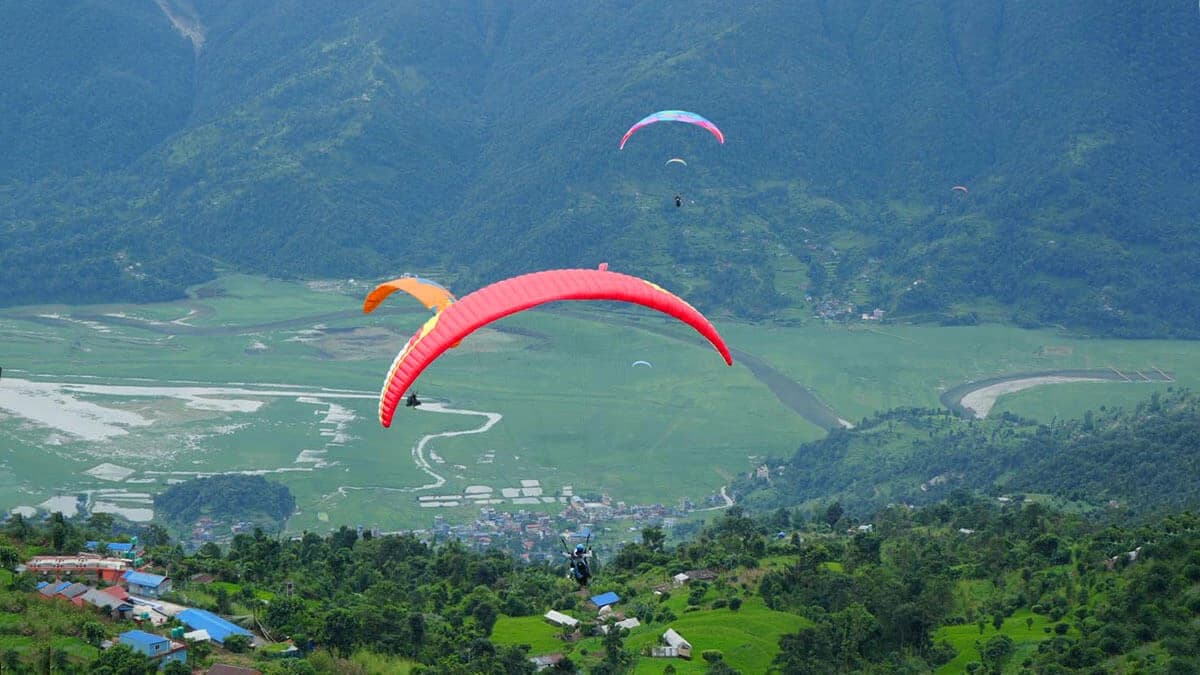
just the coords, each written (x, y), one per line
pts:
(101, 407)
(748, 638)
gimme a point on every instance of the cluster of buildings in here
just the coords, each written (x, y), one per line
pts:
(207, 529)
(110, 583)
(534, 535)
(674, 645)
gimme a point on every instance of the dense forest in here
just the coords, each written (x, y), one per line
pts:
(365, 139)
(226, 499)
(1127, 463)
(966, 583)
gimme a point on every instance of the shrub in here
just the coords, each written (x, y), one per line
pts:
(712, 655)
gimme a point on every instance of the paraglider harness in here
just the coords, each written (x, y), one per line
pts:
(579, 570)
(412, 401)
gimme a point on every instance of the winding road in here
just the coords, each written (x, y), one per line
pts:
(418, 450)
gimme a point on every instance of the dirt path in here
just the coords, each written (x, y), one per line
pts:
(418, 450)
(979, 397)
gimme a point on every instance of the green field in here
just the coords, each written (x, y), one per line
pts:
(1025, 637)
(282, 377)
(748, 638)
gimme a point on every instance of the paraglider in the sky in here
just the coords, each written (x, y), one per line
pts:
(643, 363)
(676, 160)
(678, 200)
(674, 116)
(433, 295)
(494, 302)
(578, 568)
(961, 188)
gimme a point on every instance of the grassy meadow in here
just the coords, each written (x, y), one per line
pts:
(281, 378)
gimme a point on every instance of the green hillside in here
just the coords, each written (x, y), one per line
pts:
(365, 138)
(1115, 462)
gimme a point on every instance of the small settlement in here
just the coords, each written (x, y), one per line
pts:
(119, 586)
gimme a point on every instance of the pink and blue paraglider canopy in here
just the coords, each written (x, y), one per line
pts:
(674, 116)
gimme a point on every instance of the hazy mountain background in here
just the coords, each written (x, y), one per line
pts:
(144, 145)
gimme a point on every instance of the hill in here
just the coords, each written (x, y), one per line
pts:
(1125, 461)
(363, 139)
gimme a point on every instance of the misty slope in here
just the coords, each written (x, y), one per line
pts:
(363, 138)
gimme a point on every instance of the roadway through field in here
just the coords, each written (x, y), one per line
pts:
(793, 395)
(978, 397)
(418, 451)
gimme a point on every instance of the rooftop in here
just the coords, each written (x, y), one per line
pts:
(603, 599)
(218, 628)
(144, 579)
(141, 637)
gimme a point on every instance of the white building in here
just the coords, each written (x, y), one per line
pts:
(560, 619)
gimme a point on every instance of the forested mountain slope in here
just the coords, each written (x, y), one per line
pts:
(366, 138)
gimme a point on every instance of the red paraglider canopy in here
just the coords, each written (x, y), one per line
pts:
(510, 296)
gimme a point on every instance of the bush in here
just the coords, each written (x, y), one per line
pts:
(237, 643)
(1061, 628)
(719, 603)
(735, 604)
(712, 655)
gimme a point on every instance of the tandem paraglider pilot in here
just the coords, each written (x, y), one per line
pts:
(579, 566)
(412, 401)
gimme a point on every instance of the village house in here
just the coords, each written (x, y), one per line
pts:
(87, 566)
(676, 646)
(74, 593)
(560, 619)
(160, 650)
(218, 629)
(146, 584)
(541, 663)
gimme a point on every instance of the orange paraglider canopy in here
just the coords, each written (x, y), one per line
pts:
(490, 303)
(431, 294)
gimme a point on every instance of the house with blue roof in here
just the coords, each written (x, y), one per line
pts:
(604, 599)
(117, 549)
(218, 629)
(160, 650)
(146, 584)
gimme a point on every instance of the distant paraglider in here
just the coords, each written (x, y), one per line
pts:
(643, 363)
(494, 302)
(961, 188)
(433, 295)
(678, 200)
(676, 160)
(674, 116)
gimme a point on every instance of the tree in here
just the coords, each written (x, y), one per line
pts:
(340, 631)
(11, 660)
(9, 558)
(176, 668)
(17, 527)
(615, 655)
(93, 633)
(101, 525)
(653, 538)
(237, 643)
(121, 660)
(834, 513)
(224, 601)
(198, 650)
(996, 651)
